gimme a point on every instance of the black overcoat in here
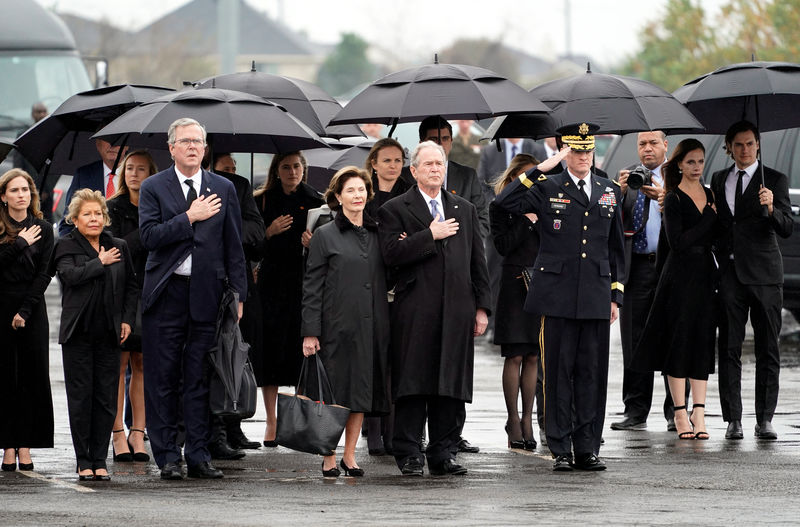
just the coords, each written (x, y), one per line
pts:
(440, 285)
(345, 306)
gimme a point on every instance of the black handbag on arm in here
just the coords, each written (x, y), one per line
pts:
(311, 426)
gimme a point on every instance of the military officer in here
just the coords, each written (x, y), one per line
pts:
(575, 289)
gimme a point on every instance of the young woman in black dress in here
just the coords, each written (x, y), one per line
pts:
(679, 336)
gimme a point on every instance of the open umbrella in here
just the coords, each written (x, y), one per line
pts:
(61, 142)
(323, 163)
(452, 91)
(6, 146)
(235, 122)
(308, 102)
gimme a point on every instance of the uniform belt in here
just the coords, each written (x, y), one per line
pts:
(181, 277)
(651, 257)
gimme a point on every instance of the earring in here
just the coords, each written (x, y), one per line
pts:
(340, 203)
(680, 171)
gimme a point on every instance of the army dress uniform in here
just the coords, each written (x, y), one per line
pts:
(573, 282)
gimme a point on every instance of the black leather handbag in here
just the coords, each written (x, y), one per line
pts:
(311, 426)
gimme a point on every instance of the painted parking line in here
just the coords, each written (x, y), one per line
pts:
(56, 482)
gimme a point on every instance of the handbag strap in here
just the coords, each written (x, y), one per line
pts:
(322, 374)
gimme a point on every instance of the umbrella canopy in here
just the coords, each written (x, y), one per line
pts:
(764, 93)
(323, 163)
(534, 126)
(234, 121)
(617, 104)
(6, 145)
(308, 102)
(453, 91)
(62, 140)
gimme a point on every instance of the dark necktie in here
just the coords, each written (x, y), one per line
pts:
(513, 151)
(581, 185)
(640, 238)
(191, 195)
(737, 201)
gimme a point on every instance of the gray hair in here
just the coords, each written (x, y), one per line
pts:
(183, 121)
(422, 146)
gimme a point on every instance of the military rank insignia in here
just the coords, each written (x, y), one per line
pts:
(608, 199)
(556, 225)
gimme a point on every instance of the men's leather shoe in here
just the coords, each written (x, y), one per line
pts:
(562, 463)
(629, 423)
(671, 425)
(448, 467)
(465, 446)
(240, 441)
(764, 430)
(171, 471)
(412, 467)
(204, 470)
(221, 450)
(734, 430)
(588, 462)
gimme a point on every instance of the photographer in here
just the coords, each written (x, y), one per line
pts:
(642, 187)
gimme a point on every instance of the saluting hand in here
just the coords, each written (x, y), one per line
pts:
(31, 234)
(443, 229)
(108, 257)
(204, 207)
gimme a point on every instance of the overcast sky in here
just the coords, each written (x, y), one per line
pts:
(603, 29)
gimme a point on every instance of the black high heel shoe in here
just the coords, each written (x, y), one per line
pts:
(137, 456)
(515, 443)
(688, 434)
(701, 435)
(270, 444)
(84, 477)
(124, 457)
(332, 473)
(529, 444)
(354, 471)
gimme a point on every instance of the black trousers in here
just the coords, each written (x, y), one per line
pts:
(764, 303)
(637, 387)
(91, 377)
(575, 360)
(175, 349)
(445, 421)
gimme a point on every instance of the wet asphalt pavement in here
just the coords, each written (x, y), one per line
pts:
(652, 477)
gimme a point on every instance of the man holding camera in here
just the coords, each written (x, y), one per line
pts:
(641, 186)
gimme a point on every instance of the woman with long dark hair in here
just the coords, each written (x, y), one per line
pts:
(26, 241)
(284, 201)
(679, 336)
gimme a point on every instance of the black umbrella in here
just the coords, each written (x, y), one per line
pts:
(6, 146)
(229, 354)
(235, 122)
(534, 126)
(323, 163)
(452, 91)
(62, 140)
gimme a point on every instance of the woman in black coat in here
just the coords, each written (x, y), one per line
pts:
(345, 309)
(26, 241)
(516, 239)
(98, 309)
(284, 201)
(123, 210)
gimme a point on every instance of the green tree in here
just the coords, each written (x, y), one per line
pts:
(347, 66)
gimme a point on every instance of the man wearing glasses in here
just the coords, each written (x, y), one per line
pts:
(189, 220)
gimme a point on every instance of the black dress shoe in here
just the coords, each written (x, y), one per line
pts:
(465, 446)
(671, 425)
(764, 430)
(629, 423)
(562, 463)
(221, 450)
(448, 467)
(734, 430)
(204, 470)
(102, 477)
(412, 467)
(588, 462)
(240, 441)
(171, 471)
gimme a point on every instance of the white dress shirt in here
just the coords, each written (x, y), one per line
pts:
(438, 199)
(185, 268)
(587, 187)
(730, 183)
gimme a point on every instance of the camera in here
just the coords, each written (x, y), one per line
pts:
(639, 177)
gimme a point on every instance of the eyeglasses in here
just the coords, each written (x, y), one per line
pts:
(187, 141)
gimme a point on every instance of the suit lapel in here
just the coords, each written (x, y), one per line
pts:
(175, 190)
(419, 209)
(597, 190)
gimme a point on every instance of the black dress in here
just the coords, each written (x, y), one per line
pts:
(516, 239)
(280, 285)
(26, 415)
(680, 333)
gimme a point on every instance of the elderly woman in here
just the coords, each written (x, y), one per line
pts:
(123, 209)
(284, 201)
(26, 241)
(345, 310)
(98, 309)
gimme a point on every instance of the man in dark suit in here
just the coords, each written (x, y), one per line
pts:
(432, 240)
(95, 176)
(458, 179)
(580, 229)
(641, 221)
(191, 223)
(752, 213)
(493, 162)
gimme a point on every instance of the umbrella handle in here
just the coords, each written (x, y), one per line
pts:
(394, 125)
